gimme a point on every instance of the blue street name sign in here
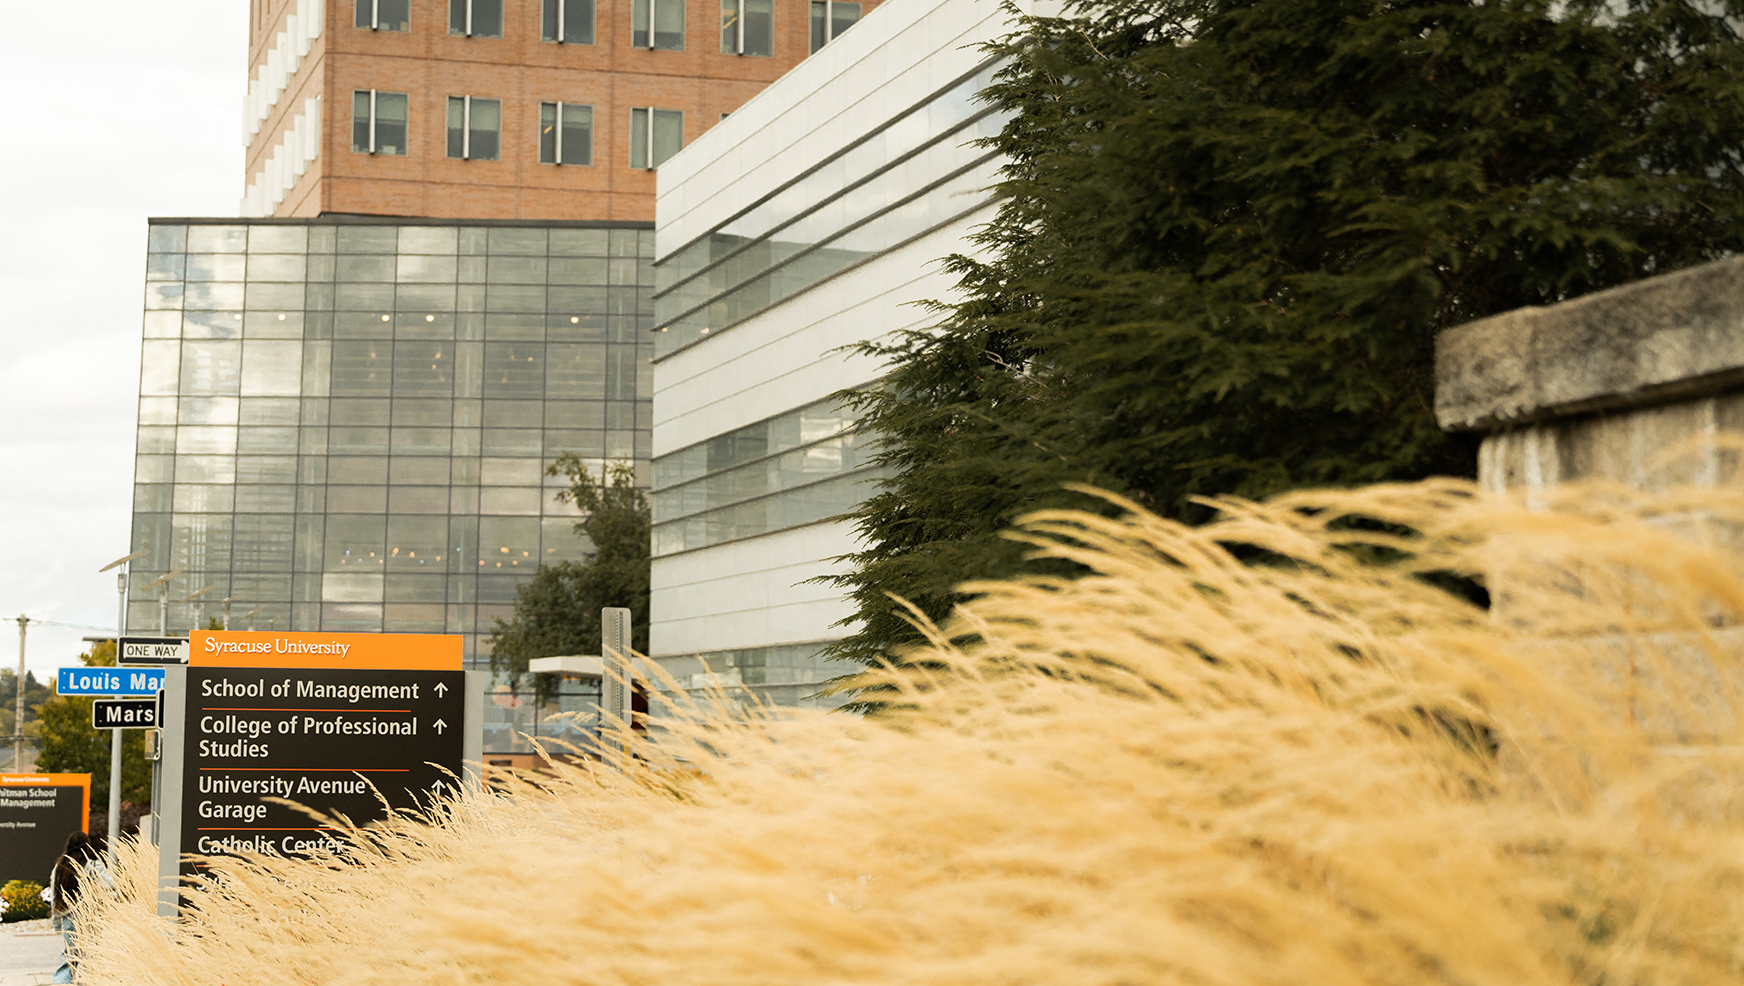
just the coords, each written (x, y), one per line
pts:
(109, 681)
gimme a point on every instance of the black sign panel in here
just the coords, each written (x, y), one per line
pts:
(119, 714)
(155, 651)
(326, 739)
(35, 820)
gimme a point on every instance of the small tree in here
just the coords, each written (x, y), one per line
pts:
(558, 611)
(70, 744)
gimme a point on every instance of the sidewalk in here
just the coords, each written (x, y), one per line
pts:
(29, 952)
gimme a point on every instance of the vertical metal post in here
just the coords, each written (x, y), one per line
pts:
(739, 18)
(616, 685)
(115, 734)
(466, 121)
(469, 18)
(18, 718)
(372, 121)
(562, 5)
(163, 610)
(375, 15)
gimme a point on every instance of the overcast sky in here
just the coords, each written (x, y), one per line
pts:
(128, 114)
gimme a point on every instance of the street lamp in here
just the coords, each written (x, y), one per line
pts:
(202, 618)
(163, 600)
(115, 734)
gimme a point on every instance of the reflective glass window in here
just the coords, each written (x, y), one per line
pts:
(217, 239)
(565, 133)
(567, 21)
(657, 24)
(378, 121)
(474, 128)
(384, 15)
(167, 239)
(476, 18)
(655, 135)
(748, 27)
(829, 18)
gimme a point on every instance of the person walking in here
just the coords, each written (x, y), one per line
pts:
(80, 862)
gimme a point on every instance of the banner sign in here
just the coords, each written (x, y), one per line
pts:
(109, 681)
(153, 651)
(37, 813)
(122, 714)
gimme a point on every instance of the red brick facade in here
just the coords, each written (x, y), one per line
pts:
(430, 65)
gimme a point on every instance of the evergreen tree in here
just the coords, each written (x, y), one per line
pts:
(558, 611)
(71, 745)
(1231, 229)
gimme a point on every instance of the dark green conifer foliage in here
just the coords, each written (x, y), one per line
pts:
(559, 611)
(1232, 228)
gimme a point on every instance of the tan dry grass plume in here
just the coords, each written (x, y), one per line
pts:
(1269, 750)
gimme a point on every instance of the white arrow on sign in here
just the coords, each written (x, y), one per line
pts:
(439, 726)
(441, 688)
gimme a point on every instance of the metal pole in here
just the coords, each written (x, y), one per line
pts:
(18, 718)
(115, 734)
(163, 610)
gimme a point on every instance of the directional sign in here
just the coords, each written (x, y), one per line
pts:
(327, 738)
(153, 651)
(120, 714)
(109, 681)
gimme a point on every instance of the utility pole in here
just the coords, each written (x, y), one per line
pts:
(18, 717)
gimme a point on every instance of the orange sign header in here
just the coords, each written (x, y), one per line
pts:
(362, 651)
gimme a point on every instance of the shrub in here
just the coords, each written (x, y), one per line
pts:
(21, 900)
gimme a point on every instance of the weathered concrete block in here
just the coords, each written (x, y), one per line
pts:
(1675, 337)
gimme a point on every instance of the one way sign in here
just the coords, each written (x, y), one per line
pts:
(153, 651)
(113, 714)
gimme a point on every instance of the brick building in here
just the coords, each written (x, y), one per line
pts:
(501, 109)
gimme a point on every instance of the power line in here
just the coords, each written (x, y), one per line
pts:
(50, 623)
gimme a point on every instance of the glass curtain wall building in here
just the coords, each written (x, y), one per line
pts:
(344, 423)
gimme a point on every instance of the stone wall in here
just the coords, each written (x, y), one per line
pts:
(1628, 385)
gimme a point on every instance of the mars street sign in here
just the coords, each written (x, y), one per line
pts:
(153, 650)
(118, 714)
(109, 681)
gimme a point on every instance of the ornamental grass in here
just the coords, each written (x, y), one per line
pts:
(1410, 734)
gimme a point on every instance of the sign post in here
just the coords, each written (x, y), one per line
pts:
(335, 722)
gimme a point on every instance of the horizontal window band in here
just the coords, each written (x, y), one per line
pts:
(760, 460)
(716, 332)
(886, 125)
(839, 518)
(821, 205)
(832, 238)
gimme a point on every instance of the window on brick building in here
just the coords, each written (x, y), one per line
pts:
(385, 15)
(565, 133)
(748, 27)
(378, 122)
(567, 22)
(657, 24)
(829, 18)
(476, 18)
(475, 128)
(655, 135)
